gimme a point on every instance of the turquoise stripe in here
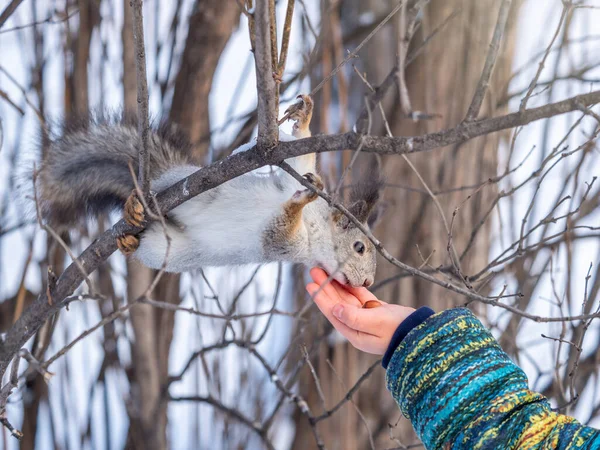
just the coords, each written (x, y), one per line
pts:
(449, 401)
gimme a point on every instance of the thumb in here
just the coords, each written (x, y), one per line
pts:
(351, 316)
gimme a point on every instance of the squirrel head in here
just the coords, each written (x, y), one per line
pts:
(355, 253)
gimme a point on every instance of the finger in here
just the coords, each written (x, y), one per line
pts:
(344, 294)
(362, 341)
(362, 294)
(360, 319)
(320, 277)
(332, 287)
(326, 304)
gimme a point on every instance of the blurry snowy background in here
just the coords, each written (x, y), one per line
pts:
(215, 383)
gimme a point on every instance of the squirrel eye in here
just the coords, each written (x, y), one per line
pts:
(359, 247)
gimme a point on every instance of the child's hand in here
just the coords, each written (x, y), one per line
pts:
(369, 330)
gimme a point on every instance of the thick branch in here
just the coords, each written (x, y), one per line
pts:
(222, 171)
(142, 95)
(268, 135)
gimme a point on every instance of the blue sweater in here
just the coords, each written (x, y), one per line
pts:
(459, 389)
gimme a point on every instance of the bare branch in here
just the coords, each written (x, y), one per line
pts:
(254, 426)
(50, 19)
(142, 96)
(5, 393)
(9, 10)
(5, 96)
(566, 9)
(285, 40)
(490, 61)
(268, 134)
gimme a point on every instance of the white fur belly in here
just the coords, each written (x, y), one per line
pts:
(212, 246)
(221, 227)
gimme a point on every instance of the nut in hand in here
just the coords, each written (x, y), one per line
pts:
(369, 304)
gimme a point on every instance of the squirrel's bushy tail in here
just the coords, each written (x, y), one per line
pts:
(86, 169)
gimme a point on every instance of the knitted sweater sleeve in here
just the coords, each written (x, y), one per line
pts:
(459, 389)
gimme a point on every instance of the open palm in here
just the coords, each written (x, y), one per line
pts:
(369, 330)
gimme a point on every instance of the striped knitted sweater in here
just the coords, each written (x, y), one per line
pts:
(459, 389)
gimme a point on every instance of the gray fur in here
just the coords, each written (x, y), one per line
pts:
(86, 170)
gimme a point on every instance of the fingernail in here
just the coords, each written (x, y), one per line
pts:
(338, 310)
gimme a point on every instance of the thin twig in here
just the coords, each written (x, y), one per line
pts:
(5, 96)
(350, 393)
(403, 41)
(285, 39)
(253, 425)
(566, 9)
(49, 20)
(24, 93)
(9, 10)
(315, 377)
(490, 61)
(354, 52)
(5, 394)
(356, 408)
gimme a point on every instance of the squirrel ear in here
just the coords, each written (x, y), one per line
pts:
(367, 191)
(360, 210)
(376, 214)
(340, 219)
(336, 215)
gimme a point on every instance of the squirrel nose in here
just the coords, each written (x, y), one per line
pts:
(368, 282)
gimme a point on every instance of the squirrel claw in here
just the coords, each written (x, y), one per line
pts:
(300, 110)
(133, 212)
(128, 244)
(301, 113)
(314, 179)
(308, 195)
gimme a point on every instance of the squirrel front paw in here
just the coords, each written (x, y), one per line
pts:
(301, 113)
(308, 195)
(128, 244)
(133, 212)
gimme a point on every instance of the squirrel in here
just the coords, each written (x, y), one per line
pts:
(253, 218)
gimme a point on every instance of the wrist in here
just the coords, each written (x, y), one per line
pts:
(415, 319)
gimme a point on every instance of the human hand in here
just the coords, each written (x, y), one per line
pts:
(369, 330)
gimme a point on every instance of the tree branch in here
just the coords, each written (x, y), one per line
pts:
(285, 40)
(5, 393)
(490, 62)
(268, 134)
(142, 96)
(252, 424)
(9, 10)
(220, 172)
